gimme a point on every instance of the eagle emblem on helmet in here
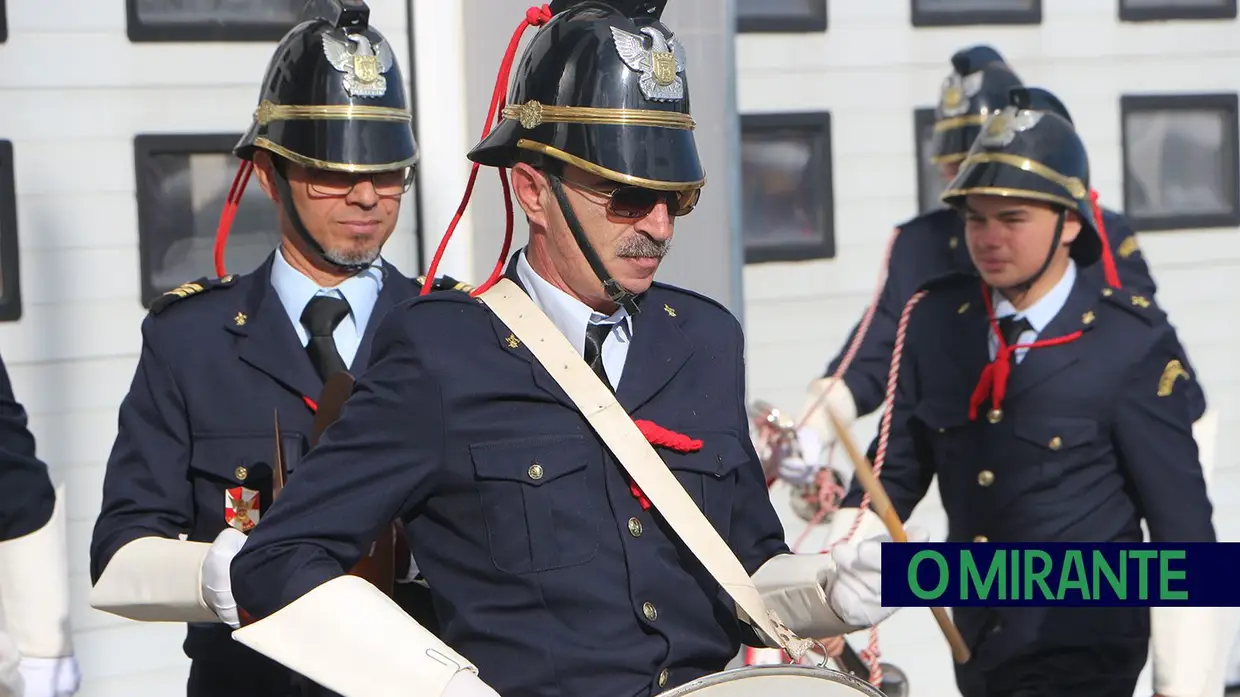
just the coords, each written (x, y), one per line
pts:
(1002, 128)
(660, 65)
(363, 67)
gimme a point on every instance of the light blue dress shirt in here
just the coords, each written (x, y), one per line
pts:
(361, 291)
(1039, 314)
(571, 316)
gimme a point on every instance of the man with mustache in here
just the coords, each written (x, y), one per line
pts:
(930, 246)
(191, 471)
(1052, 407)
(553, 571)
(36, 645)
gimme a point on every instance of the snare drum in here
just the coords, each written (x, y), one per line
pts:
(768, 680)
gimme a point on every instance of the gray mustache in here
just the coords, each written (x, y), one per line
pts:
(641, 246)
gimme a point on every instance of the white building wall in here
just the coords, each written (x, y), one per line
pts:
(75, 92)
(871, 69)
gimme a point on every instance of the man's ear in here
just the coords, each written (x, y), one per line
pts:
(1071, 228)
(530, 187)
(264, 167)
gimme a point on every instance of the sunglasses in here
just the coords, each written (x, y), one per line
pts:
(634, 202)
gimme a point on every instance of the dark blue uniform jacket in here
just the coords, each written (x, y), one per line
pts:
(553, 580)
(26, 494)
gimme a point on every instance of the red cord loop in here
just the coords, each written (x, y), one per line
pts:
(1109, 269)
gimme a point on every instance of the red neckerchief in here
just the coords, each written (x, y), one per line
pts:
(993, 382)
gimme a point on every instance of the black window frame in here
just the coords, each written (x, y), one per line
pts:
(10, 248)
(1171, 12)
(965, 18)
(146, 145)
(814, 20)
(923, 118)
(818, 122)
(235, 32)
(1226, 102)
(4, 21)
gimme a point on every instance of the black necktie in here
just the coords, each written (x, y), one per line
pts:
(321, 317)
(1011, 328)
(596, 334)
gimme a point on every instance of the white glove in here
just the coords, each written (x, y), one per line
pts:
(856, 592)
(50, 677)
(215, 579)
(467, 684)
(840, 400)
(803, 468)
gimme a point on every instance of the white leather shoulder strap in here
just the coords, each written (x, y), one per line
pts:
(613, 424)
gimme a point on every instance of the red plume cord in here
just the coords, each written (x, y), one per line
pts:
(230, 211)
(534, 17)
(1108, 258)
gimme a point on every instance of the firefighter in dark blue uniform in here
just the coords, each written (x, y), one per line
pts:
(931, 245)
(552, 573)
(193, 467)
(1053, 407)
(36, 647)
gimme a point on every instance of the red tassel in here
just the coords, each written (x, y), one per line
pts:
(658, 436)
(1108, 259)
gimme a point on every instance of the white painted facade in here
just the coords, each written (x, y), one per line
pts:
(871, 69)
(76, 92)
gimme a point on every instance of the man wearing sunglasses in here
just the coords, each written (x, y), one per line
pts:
(332, 145)
(558, 574)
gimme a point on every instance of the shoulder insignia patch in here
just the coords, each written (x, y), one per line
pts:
(1172, 372)
(1127, 248)
(185, 290)
(446, 283)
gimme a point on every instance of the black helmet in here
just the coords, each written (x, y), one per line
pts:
(1028, 153)
(977, 88)
(603, 87)
(334, 96)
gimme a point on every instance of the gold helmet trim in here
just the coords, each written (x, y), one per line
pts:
(613, 175)
(268, 112)
(533, 114)
(314, 163)
(1073, 185)
(1010, 193)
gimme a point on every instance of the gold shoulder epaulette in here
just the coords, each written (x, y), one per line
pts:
(446, 283)
(185, 290)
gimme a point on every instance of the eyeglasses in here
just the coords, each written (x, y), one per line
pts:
(633, 202)
(387, 184)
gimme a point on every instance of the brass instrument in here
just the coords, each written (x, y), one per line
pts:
(774, 435)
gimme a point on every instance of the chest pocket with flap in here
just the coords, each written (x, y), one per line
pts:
(235, 470)
(709, 475)
(539, 499)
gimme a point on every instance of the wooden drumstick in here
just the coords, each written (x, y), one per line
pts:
(887, 512)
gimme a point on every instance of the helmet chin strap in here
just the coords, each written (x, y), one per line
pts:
(611, 286)
(1025, 285)
(290, 209)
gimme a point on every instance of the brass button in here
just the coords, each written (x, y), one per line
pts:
(536, 471)
(981, 538)
(663, 677)
(635, 527)
(1056, 443)
(241, 473)
(985, 477)
(994, 416)
(1106, 292)
(649, 611)
(953, 242)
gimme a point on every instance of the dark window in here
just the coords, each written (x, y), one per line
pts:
(1181, 165)
(211, 20)
(787, 207)
(10, 273)
(4, 22)
(183, 181)
(929, 182)
(944, 13)
(1159, 10)
(781, 15)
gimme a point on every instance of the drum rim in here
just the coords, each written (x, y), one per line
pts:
(827, 673)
